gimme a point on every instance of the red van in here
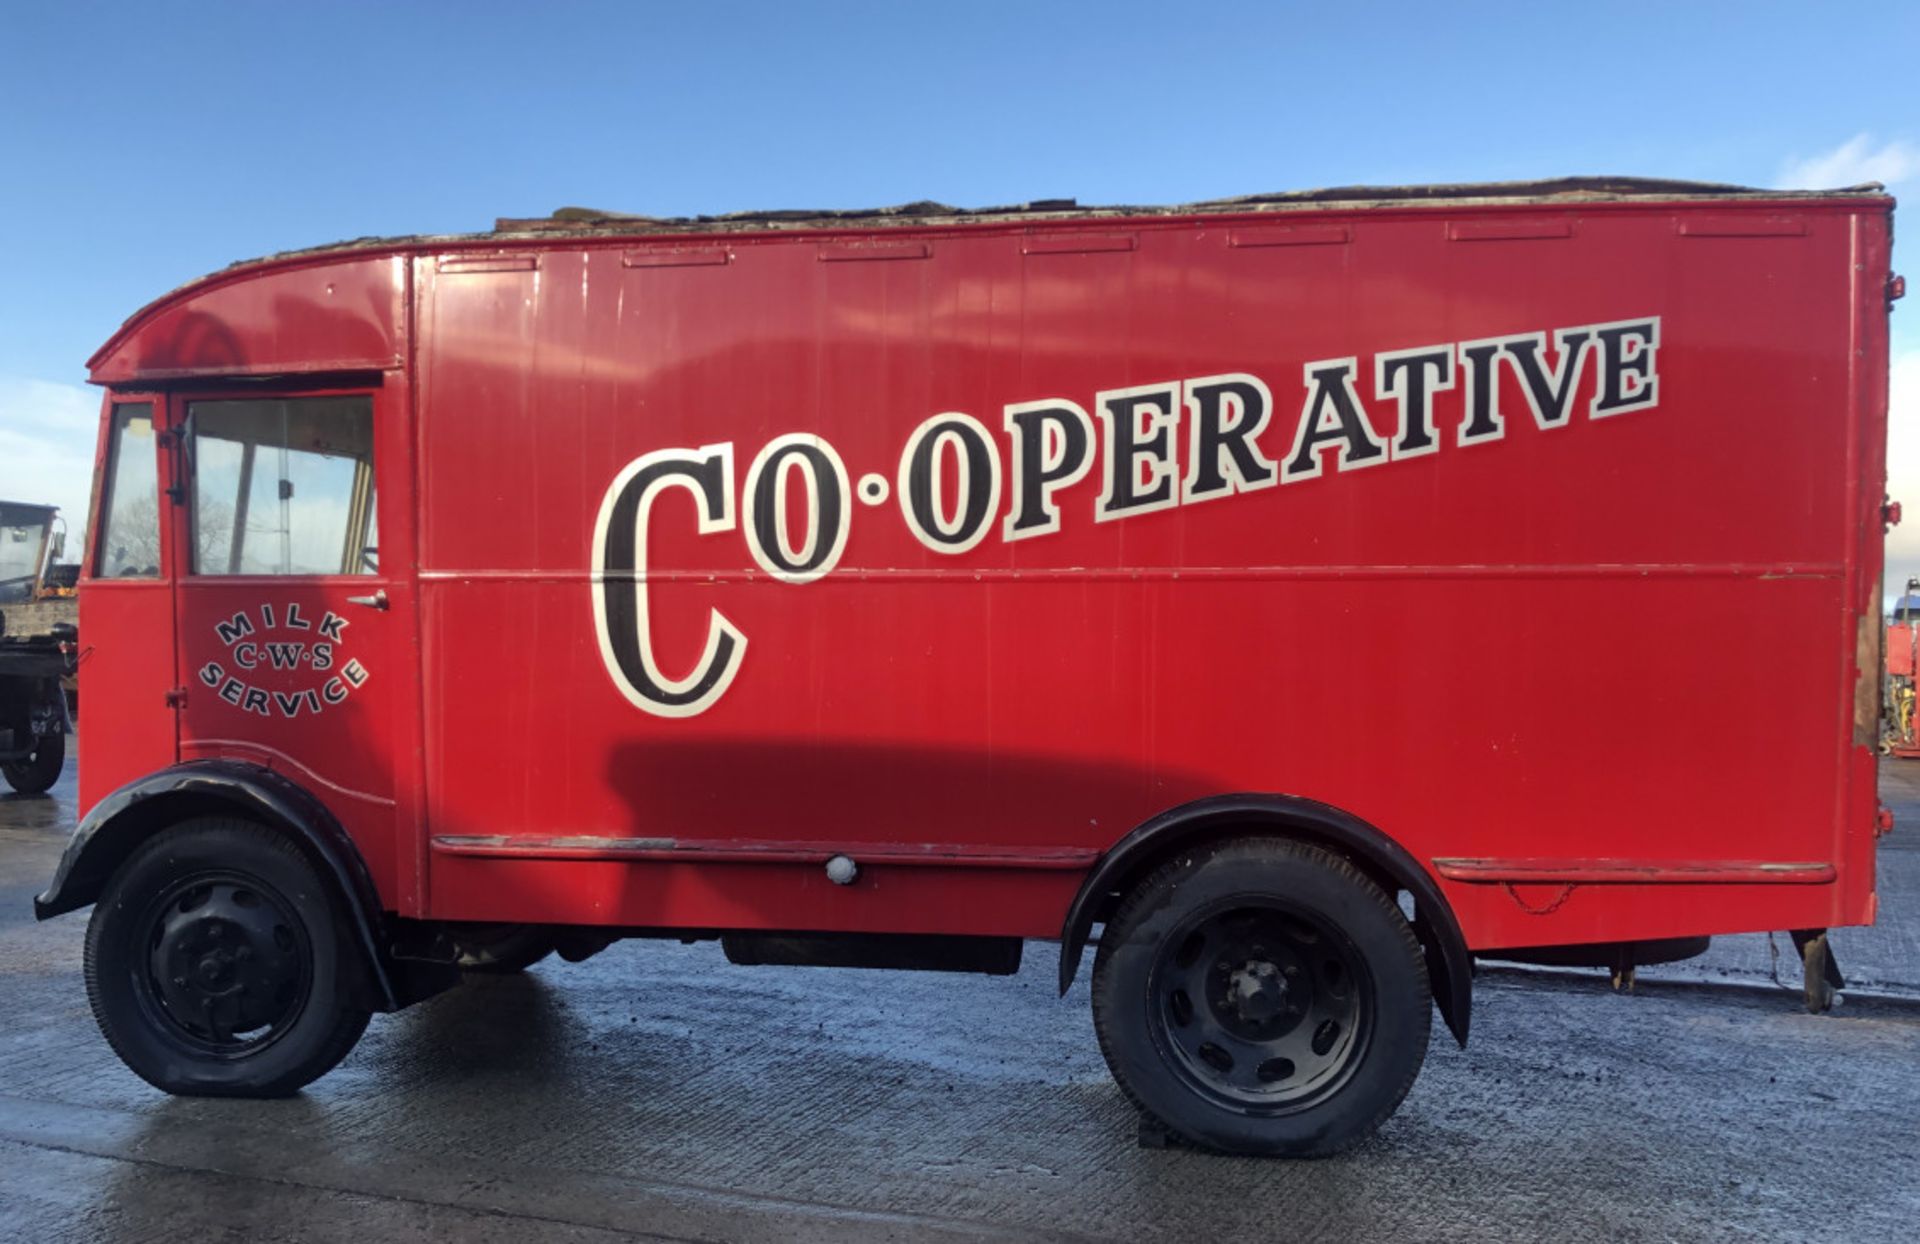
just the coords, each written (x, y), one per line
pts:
(1305, 593)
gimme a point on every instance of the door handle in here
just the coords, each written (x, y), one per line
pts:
(376, 601)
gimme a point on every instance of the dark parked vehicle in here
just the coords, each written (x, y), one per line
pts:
(36, 649)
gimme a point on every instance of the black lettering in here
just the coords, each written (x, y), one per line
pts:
(331, 625)
(942, 526)
(354, 672)
(232, 631)
(285, 656)
(1550, 394)
(323, 656)
(1129, 450)
(290, 705)
(1224, 414)
(1332, 415)
(1483, 421)
(620, 586)
(211, 673)
(828, 515)
(1412, 377)
(256, 702)
(232, 690)
(294, 620)
(1629, 379)
(1052, 449)
(333, 691)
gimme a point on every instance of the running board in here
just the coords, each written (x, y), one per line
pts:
(915, 952)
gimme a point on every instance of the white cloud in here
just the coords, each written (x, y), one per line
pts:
(1852, 162)
(47, 434)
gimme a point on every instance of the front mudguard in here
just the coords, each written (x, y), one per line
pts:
(118, 824)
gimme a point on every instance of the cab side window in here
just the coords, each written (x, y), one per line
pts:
(283, 486)
(23, 533)
(129, 544)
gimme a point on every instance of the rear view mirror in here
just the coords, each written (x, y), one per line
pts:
(59, 545)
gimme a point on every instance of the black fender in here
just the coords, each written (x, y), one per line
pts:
(124, 819)
(1449, 964)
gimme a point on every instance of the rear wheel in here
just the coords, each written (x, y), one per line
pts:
(217, 964)
(500, 949)
(36, 773)
(1262, 996)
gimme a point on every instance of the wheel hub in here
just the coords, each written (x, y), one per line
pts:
(1256, 990)
(1258, 1006)
(226, 963)
(215, 970)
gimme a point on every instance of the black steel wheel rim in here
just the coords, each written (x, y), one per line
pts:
(222, 965)
(1259, 1005)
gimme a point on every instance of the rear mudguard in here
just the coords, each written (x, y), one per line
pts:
(124, 819)
(1449, 965)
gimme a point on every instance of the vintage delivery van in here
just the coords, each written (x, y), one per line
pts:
(1304, 594)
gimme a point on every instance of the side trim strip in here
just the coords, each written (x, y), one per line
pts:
(1484, 871)
(759, 851)
(1677, 570)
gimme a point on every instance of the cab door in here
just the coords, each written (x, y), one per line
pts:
(289, 610)
(127, 664)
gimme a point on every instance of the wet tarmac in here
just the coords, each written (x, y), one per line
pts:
(656, 1092)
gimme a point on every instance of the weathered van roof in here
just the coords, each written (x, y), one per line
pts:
(591, 224)
(1563, 191)
(1566, 189)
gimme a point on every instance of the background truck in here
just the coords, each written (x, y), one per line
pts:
(1900, 732)
(38, 617)
(895, 588)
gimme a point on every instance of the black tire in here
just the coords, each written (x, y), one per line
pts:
(500, 949)
(218, 964)
(36, 774)
(1313, 1007)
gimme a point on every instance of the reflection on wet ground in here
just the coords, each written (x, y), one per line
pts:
(657, 1091)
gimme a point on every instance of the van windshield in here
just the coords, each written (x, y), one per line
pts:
(283, 486)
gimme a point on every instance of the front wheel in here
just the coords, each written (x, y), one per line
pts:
(1262, 996)
(217, 965)
(35, 773)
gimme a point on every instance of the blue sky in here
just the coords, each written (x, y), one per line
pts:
(143, 145)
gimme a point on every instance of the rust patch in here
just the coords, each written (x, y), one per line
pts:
(1866, 681)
